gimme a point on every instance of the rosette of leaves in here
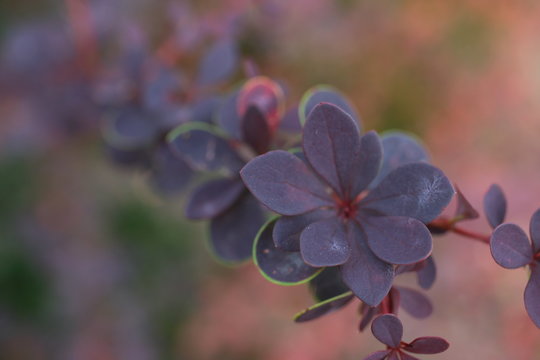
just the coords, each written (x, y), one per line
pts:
(342, 223)
(512, 249)
(388, 329)
(249, 121)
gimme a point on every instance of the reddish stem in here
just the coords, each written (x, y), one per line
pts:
(471, 234)
(442, 225)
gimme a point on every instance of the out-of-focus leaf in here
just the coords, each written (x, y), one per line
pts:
(278, 266)
(205, 149)
(427, 274)
(233, 232)
(130, 128)
(387, 329)
(255, 130)
(325, 94)
(364, 273)
(288, 228)
(510, 246)
(379, 355)
(534, 230)
(495, 205)
(415, 190)
(328, 284)
(325, 243)
(427, 345)
(397, 239)
(228, 118)
(219, 63)
(368, 315)
(283, 183)
(213, 197)
(332, 146)
(399, 149)
(532, 295)
(415, 303)
(206, 109)
(290, 122)
(266, 95)
(169, 173)
(324, 307)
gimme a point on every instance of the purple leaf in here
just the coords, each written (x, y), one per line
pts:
(325, 243)
(169, 173)
(288, 228)
(325, 94)
(388, 330)
(328, 284)
(415, 190)
(332, 146)
(367, 316)
(427, 274)
(427, 345)
(219, 63)
(399, 149)
(415, 303)
(213, 197)
(255, 130)
(283, 183)
(278, 266)
(364, 273)
(369, 162)
(204, 149)
(130, 128)
(464, 209)
(397, 239)
(510, 246)
(290, 122)
(379, 355)
(495, 205)
(233, 232)
(532, 295)
(205, 109)
(534, 230)
(394, 355)
(324, 307)
(228, 118)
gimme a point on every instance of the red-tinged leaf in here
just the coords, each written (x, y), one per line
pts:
(399, 149)
(510, 246)
(495, 205)
(394, 355)
(219, 63)
(427, 345)
(534, 230)
(397, 239)
(255, 130)
(283, 183)
(379, 355)
(233, 232)
(266, 95)
(325, 94)
(464, 209)
(332, 146)
(205, 149)
(288, 228)
(324, 307)
(387, 329)
(364, 273)
(325, 243)
(395, 300)
(278, 266)
(427, 274)
(415, 190)
(532, 295)
(415, 303)
(213, 197)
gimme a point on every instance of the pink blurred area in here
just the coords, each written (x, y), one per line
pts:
(463, 75)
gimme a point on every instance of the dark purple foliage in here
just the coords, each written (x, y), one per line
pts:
(495, 205)
(365, 235)
(219, 63)
(213, 197)
(464, 209)
(388, 329)
(326, 94)
(532, 294)
(324, 307)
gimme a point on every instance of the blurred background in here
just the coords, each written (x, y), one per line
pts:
(95, 264)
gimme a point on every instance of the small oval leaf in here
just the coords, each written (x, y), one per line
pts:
(415, 303)
(510, 246)
(532, 295)
(495, 205)
(387, 329)
(325, 243)
(288, 228)
(213, 197)
(427, 345)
